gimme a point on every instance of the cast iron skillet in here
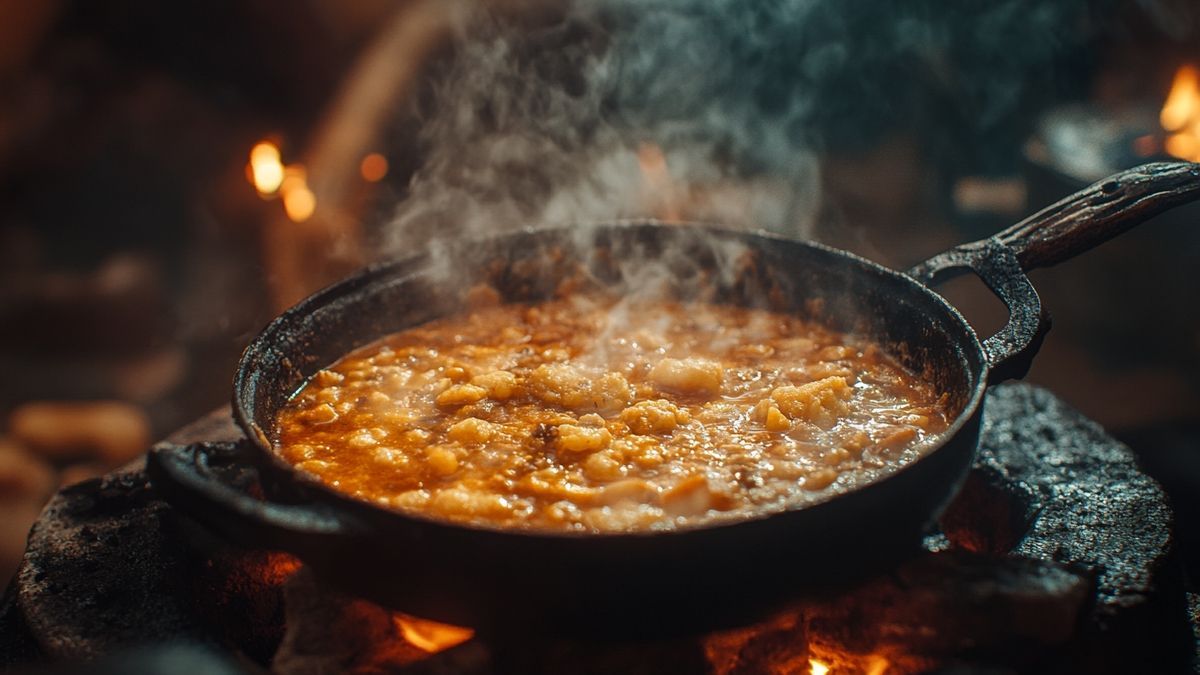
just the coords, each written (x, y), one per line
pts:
(642, 583)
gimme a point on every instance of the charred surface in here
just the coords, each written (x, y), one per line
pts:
(1094, 509)
(17, 647)
(107, 569)
(100, 573)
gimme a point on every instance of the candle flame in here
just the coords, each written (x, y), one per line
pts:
(267, 173)
(265, 168)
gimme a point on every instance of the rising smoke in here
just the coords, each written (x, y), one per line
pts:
(552, 121)
(554, 124)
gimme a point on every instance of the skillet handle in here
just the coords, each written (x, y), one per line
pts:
(1011, 350)
(1100, 212)
(215, 484)
(1060, 231)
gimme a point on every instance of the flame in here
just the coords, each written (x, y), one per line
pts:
(374, 167)
(817, 667)
(431, 636)
(267, 173)
(265, 168)
(1180, 116)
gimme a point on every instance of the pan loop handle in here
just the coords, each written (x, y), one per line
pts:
(1060, 231)
(1011, 350)
(216, 484)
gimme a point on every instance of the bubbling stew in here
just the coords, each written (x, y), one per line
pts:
(597, 414)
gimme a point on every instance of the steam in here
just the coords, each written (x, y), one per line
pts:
(543, 121)
(542, 125)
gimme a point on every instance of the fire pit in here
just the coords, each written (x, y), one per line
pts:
(434, 123)
(1057, 555)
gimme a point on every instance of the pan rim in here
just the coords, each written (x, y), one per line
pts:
(399, 269)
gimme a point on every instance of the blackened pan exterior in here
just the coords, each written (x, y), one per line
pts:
(611, 583)
(650, 583)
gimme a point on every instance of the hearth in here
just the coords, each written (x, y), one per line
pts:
(1057, 556)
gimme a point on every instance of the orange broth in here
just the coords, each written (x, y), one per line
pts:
(596, 414)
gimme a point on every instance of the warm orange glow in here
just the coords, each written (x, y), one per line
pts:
(877, 665)
(265, 168)
(279, 567)
(1145, 146)
(1182, 102)
(374, 167)
(269, 176)
(299, 202)
(431, 636)
(817, 667)
(1180, 115)
(1183, 146)
(661, 193)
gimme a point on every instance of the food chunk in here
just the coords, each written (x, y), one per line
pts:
(689, 376)
(591, 420)
(767, 413)
(442, 460)
(321, 414)
(602, 466)
(362, 440)
(576, 439)
(576, 388)
(628, 490)
(328, 378)
(896, 438)
(500, 384)
(693, 495)
(471, 430)
(465, 502)
(819, 402)
(654, 417)
(460, 395)
(820, 479)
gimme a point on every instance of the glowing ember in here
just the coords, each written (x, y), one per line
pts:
(877, 665)
(374, 167)
(431, 636)
(817, 667)
(265, 169)
(1180, 116)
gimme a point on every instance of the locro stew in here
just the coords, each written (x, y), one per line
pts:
(597, 414)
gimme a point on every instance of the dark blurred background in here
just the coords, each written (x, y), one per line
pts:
(172, 175)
